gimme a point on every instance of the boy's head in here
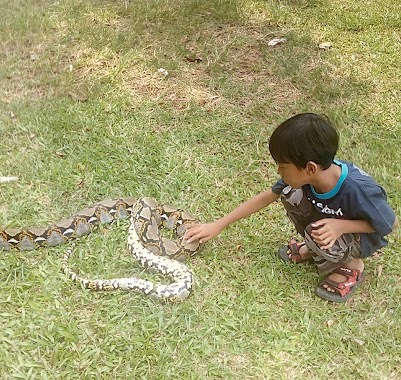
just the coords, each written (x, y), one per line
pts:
(303, 138)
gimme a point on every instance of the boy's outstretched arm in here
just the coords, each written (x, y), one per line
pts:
(205, 232)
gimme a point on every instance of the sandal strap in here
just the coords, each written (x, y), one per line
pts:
(344, 287)
(294, 247)
(348, 272)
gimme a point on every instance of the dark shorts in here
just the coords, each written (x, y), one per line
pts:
(302, 213)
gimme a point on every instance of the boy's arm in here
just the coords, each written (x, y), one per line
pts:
(205, 232)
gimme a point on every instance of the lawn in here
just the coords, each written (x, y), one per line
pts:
(87, 114)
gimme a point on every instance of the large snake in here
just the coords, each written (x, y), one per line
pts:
(145, 242)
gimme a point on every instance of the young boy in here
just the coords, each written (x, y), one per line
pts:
(341, 212)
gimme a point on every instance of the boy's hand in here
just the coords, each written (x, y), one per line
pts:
(326, 231)
(202, 232)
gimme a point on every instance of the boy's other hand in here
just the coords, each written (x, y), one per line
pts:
(326, 231)
(202, 232)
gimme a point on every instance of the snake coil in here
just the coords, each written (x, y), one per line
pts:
(145, 243)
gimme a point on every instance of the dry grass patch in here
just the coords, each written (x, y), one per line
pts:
(179, 89)
(238, 52)
(234, 362)
(23, 73)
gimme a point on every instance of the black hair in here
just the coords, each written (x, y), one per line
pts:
(302, 138)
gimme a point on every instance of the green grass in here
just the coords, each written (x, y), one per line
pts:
(85, 116)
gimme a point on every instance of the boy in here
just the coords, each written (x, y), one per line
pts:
(341, 212)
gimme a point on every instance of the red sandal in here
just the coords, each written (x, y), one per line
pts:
(343, 290)
(293, 255)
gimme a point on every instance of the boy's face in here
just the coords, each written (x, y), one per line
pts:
(293, 176)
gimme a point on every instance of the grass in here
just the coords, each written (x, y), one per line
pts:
(85, 115)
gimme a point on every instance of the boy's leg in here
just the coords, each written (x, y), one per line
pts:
(301, 213)
(299, 210)
(345, 253)
(341, 263)
(346, 250)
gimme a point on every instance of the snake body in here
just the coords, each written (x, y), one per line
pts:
(145, 243)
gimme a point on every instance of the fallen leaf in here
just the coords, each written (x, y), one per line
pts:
(163, 71)
(193, 59)
(355, 340)
(330, 323)
(8, 179)
(77, 97)
(60, 154)
(325, 45)
(276, 41)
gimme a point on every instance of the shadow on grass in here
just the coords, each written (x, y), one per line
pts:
(97, 64)
(217, 54)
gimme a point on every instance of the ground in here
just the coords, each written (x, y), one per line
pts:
(87, 114)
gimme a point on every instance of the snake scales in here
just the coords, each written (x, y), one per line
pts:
(145, 243)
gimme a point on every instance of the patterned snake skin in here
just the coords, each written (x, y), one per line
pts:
(145, 243)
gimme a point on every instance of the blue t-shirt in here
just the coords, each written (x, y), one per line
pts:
(356, 196)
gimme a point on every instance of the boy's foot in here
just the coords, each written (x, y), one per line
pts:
(295, 252)
(341, 284)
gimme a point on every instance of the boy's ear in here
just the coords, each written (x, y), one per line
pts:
(311, 167)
